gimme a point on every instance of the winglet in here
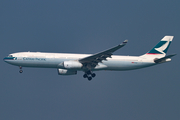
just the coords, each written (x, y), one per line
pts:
(124, 42)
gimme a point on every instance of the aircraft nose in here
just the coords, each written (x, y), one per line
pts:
(6, 59)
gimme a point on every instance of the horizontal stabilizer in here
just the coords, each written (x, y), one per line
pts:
(164, 59)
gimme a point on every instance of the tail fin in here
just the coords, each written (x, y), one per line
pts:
(162, 47)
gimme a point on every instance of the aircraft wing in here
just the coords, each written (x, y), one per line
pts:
(94, 59)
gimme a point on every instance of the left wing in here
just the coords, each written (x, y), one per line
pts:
(94, 59)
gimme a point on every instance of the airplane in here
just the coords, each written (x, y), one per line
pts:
(69, 64)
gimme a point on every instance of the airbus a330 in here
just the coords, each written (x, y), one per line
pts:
(69, 64)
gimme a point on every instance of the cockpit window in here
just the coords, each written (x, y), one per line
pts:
(10, 56)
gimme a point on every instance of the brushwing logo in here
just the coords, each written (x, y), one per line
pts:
(163, 48)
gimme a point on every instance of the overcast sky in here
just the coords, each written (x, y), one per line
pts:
(89, 26)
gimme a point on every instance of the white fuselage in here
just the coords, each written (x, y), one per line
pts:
(69, 64)
(53, 60)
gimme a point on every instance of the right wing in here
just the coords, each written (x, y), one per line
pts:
(94, 59)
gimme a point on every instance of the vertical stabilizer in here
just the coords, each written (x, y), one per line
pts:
(162, 47)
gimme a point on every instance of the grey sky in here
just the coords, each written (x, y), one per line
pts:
(88, 27)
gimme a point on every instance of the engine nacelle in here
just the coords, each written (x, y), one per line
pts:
(66, 72)
(72, 65)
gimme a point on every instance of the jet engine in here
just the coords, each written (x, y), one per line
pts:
(72, 65)
(66, 72)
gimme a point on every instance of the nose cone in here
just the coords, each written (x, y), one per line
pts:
(5, 59)
(8, 59)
